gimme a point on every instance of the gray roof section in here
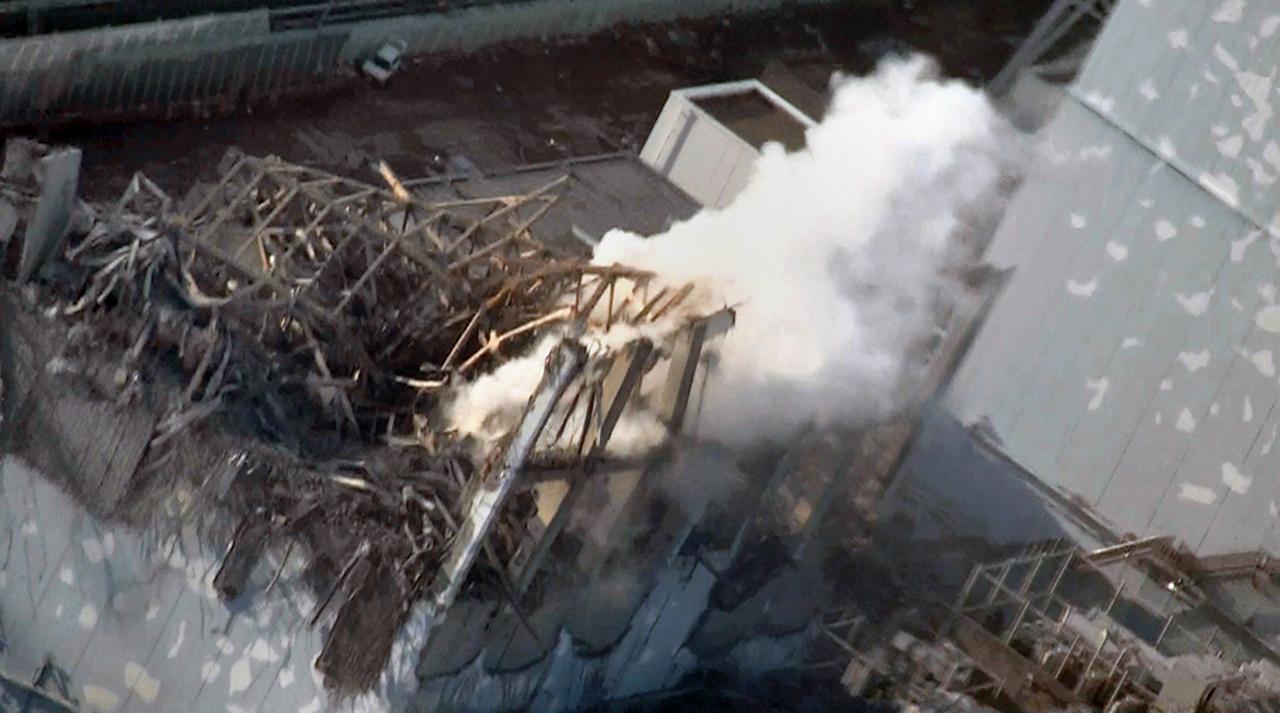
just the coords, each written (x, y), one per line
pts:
(1132, 359)
(601, 193)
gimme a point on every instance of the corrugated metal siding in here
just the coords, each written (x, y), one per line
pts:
(1125, 362)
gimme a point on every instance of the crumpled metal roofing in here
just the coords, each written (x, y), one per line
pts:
(1132, 359)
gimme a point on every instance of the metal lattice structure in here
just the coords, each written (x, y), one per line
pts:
(1073, 614)
(373, 288)
(331, 316)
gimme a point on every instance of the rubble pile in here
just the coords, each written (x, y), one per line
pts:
(295, 334)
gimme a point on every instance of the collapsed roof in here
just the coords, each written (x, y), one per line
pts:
(286, 340)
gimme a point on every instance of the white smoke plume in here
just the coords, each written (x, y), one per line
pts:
(835, 258)
(835, 254)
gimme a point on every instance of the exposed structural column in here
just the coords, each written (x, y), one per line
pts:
(485, 504)
(1061, 17)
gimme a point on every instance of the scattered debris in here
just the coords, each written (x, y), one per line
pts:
(312, 326)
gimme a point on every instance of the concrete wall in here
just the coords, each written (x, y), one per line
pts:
(475, 27)
(214, 62)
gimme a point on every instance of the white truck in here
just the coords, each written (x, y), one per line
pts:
(384, 62)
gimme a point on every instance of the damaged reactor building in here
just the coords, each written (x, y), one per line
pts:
(220, 472)
(297, 440)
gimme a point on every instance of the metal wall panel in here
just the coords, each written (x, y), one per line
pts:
(1132, 360)
(1195, 81)
(135, 622)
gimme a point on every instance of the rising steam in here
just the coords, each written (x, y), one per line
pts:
(835, 258)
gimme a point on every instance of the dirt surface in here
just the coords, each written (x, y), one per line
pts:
(536, 101)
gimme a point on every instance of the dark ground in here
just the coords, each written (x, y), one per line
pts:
(536, 101)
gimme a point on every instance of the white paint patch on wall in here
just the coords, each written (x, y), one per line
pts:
(1265, 363)
(88, 617)
(1193, 493)
(262, 651)
(97, 698)
(240, 677)
(1082, 289)
(1258, 89)
(1078, 221)
(1260, 174)
(1247, 414)
(1195, 305)
(1117, 251)
(143, 684)
(1230, 146)
(1268, 319)
(1099, 388)
(1271, 154)
(1235, 480)
(1194, 361)
(1225, 58)
(1186, 422)
(178, 639)
(1165, 230)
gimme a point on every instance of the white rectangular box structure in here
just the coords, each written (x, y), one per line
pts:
(707, 138)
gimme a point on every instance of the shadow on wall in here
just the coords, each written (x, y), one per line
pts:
(953, 487)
